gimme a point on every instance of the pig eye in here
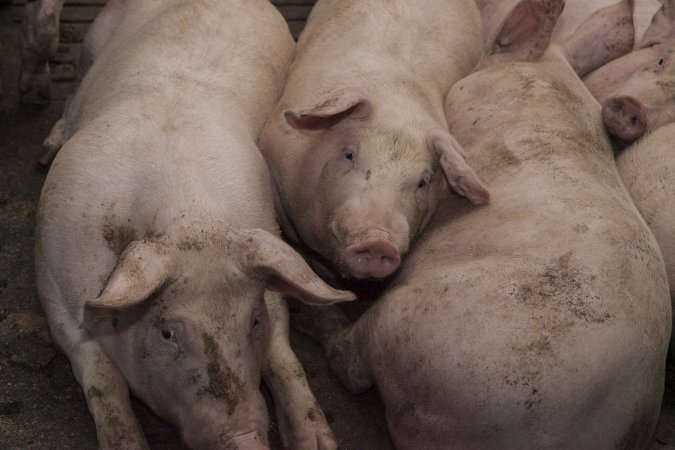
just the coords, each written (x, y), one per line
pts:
(257, 323)
(661, 61)
(349, 155)
(168, 334)
(424, 182)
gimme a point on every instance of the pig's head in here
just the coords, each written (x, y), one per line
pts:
(637, 91)
(185, 321)
(367, 190)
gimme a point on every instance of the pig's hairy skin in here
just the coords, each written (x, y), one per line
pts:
(351, 44)
(647, 168)
(543, 319)
(576, 11)
(160, 148)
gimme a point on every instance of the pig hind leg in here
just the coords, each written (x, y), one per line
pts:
(302, 424)
(337, 335)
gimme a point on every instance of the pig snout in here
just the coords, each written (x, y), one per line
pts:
(372, 258)
(625, 117)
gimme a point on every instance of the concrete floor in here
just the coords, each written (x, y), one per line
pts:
(41, 405)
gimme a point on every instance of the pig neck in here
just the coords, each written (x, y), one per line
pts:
(535, 119)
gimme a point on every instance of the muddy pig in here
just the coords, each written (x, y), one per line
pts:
(156, 235)
(637, 90)
(541, 320)
(358, 144)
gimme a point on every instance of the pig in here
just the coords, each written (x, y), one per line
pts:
(636, 90)
(577, 11)
(541, 320)
(358, 145)
(158, 258)
(608, 16)
(647, 168)
(39, 43)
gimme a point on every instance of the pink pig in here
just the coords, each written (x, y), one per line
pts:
(358, 144)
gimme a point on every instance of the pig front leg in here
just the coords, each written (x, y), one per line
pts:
(331, 328)
(39, 42)
(302, 424)
(104, 387)
(52, 143)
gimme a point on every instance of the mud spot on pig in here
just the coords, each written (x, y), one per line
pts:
(94, 392)
(223, 383)
(667, 87)
(580, 228)
(562, 295)
(118, 237)
(190, 245)
(533, 399)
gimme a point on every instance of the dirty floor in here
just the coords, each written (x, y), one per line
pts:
(41, 405)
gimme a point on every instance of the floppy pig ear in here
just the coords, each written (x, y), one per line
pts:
(348, 103)
(607, 34)
(662, 25)
(285, 271)
(140, 271)
(526, 32)
(461, 178)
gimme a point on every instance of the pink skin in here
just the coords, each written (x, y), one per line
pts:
(644, 101)
(250, 441)
(356, 209)
(637, 91)
(369, 190)
(376, 258)
(625, 117)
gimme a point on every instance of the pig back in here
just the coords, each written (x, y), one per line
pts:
(538, 314)
(648, 170)
(368, 43)
(163, 130)
(165, 54)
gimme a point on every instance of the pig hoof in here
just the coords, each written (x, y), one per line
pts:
(308, 431)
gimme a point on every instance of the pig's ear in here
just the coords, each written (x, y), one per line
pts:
(662, 25)
(140, 271)
(346, 104)
(284, 270)
(607, 34)
(525, 33)
(461, 178)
